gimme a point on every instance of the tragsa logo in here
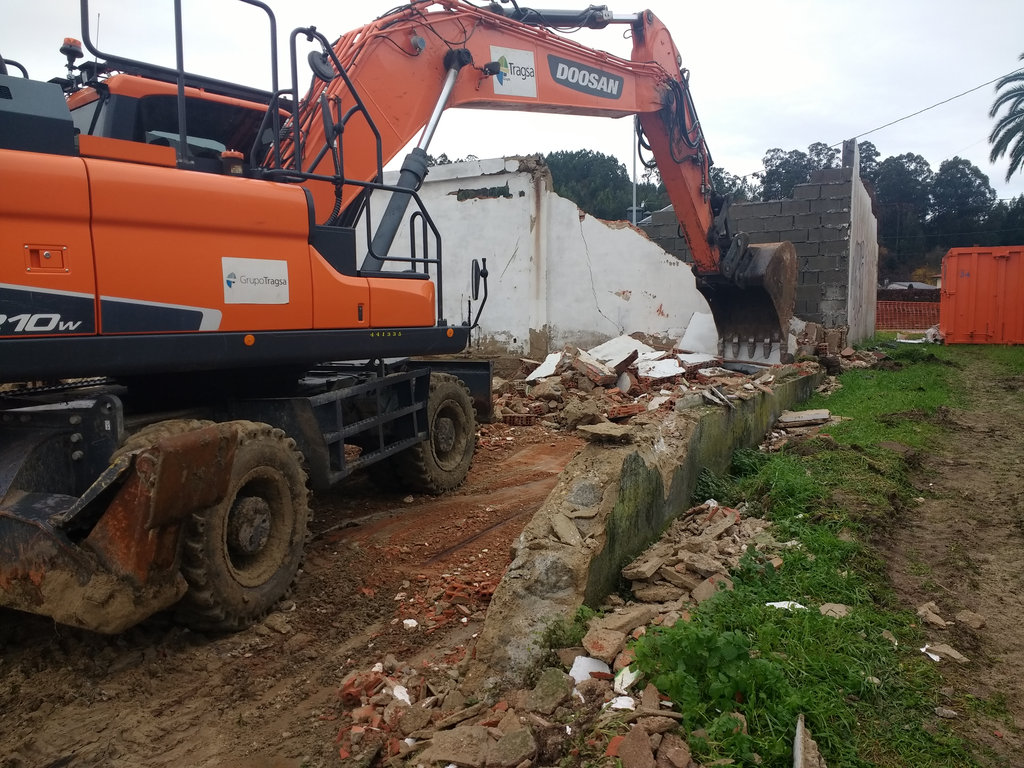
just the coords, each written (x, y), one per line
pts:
(503, 72)
(230, 279)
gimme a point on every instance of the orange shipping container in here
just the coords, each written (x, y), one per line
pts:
(983, 295)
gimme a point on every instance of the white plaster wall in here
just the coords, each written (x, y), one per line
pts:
(863, 259)
(557, 276)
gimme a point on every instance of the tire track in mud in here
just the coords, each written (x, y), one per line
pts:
(159, 695)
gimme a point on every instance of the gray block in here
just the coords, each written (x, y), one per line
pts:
(832, 175)
(821, 263)
(830, 206)
(837, 219)
(836, 191)
(809, 292)
(777, 222)
(807, 192)
(835, 248)
(807, 249)
(833, 291)
(796, 206)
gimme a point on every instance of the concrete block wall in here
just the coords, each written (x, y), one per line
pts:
(830, 223)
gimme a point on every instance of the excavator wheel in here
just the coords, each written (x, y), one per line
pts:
(442, 462)
(154, 433)
(242, 555)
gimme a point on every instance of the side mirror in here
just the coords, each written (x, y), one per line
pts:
(321, 65)
(476, 280)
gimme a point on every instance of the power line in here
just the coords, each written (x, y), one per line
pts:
(933, 106)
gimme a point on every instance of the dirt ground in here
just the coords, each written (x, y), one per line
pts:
(962, 547)
(160, 695)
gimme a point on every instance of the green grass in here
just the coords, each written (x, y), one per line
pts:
(867, 702)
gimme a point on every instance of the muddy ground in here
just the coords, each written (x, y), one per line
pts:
(962, 547)
(160, 695)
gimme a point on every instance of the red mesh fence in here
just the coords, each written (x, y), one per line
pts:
(906, 315)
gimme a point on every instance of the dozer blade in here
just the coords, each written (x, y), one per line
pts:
(753, 310)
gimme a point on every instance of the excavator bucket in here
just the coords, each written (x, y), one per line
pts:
(753, 308)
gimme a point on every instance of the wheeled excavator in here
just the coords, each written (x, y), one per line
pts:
(199, 319)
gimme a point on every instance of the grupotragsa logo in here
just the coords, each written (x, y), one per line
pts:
(503, 70)
(230, 279)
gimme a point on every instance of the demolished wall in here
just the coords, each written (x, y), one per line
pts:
(830, 222)
(557, 276)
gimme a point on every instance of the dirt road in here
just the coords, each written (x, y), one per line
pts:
(962, 547)
(160, 695)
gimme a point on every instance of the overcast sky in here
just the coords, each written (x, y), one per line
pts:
(763, 74)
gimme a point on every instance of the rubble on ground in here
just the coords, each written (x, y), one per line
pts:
(400, 715)
(623, 378)
(626, 377)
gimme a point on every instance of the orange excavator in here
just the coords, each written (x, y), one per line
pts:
(198, 318)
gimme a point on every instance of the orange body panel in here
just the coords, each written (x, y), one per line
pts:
(128, 151)
(982, 298)
(339, 301)
(160, 236)
(399, 303)
(138, 87)
(44, 208)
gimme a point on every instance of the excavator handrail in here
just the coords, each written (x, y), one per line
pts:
(178, 74)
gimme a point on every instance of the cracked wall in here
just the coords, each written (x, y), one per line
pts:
(557, 275)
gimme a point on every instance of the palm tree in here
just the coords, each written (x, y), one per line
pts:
(1010, 127)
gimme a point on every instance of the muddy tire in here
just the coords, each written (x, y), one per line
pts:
(152, 434)
(442, 462)
(241, 556)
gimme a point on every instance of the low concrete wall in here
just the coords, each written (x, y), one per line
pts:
(614, 497)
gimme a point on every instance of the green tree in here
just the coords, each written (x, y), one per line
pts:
(902, 187)
(742, 188)
(869, 155)
(962, 199)
(1005, 222)
(1007, 138)
(599, 184)
(784, 170)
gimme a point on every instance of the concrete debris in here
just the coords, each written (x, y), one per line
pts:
(946, 652)
(835, 610)
(393, 713)
(805, 750)
(398, 714)
(622, 379)
(690, 564)
(929, 614)
(604, 644)
(972, 620)
(803, 418)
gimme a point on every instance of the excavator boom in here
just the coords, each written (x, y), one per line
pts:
(510, 59)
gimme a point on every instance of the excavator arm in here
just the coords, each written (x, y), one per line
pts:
(407, 66)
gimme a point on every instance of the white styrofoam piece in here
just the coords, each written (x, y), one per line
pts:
(659, 369)
(582, 666)
(696, 358)
(618, 349)
(547, 368)
(701, 334)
